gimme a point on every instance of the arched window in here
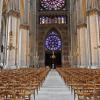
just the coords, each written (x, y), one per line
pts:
(53, 41)
(53, 20)
(52, 4)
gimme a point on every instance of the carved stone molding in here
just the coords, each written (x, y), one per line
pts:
(81, 25)
(24, 26)
(93, 12)
(14, 13)
(53, 13)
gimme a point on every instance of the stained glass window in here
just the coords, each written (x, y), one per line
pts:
(53, 41)
(52, 4)
(53, 20)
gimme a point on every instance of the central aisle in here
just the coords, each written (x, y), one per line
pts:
(54, 88)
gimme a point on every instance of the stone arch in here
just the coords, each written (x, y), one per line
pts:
(63, 32)
(56, 50)
(5, 5)
(53, 28)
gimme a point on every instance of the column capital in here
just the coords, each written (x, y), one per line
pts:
(93, 12)
(81, 25)
(24, 26)
(13, 13)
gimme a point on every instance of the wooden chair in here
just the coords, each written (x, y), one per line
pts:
(84, 82)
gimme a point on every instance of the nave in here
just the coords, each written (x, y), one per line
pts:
(54, 88)
(49, 33)
(42, 83)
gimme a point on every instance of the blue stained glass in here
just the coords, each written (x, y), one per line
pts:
(53, 42)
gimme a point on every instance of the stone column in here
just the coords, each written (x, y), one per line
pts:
(23, 45)
(1, 5)
(88, 46)
(33, 32)
(78, 48)
(82, 36)
(74, 50)
(27, 50)
(1, 54)
(93, 25)
(12, 36)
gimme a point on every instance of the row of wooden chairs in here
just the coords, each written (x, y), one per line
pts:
(20, 84)
(85, 83)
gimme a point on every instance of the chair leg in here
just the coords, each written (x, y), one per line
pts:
(85, 98)
(29, 97)
(79, 97)
(95, 98)
(74, 96)
(34, 94)
(37, 90)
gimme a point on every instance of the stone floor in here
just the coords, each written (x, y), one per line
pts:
(54, 88)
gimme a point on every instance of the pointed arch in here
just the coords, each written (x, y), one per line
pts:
(5, 5)
(53, 40)
(55, 30)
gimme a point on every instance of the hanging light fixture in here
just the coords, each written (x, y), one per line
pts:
(53, 55)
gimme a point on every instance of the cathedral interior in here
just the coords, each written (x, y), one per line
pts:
(41, 38)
